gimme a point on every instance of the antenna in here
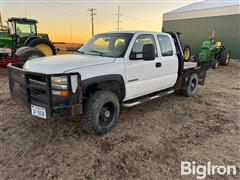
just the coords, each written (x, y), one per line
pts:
(118, 19)
(92, 14)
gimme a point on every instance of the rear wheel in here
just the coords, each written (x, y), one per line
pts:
(45, 46)
(186, 52)
(224, 57)
(28, 53)
(191, 88)
(101, 112)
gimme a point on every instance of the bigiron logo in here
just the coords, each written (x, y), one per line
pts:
(201, 171)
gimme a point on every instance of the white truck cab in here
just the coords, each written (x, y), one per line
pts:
(111, 69)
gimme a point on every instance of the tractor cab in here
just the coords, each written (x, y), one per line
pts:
(21, 30)
(20, 41)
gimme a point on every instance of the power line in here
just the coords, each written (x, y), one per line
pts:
(118, 19)
(92, 14)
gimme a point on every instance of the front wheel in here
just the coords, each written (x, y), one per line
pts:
(28, 53)
(224, 57)
(101, 112)
(215, 64)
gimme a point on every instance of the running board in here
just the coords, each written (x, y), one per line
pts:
(132, 103)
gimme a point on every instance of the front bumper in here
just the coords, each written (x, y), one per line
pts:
(28, 88)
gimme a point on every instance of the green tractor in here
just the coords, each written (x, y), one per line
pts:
(215, 51)
(21, 41)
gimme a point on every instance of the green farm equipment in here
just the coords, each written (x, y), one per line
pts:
(22, 42)
(215, 51)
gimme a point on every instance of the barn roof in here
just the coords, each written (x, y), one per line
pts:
(206, 8)
(207, 4)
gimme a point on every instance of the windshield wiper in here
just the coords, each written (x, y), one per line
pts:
(99, 52)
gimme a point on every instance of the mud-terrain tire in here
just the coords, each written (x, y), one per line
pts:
(191, 89)
(28, 53)
(224, 57)
(47, 47)
(101, 112)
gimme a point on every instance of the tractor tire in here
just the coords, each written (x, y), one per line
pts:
(224, 58)
(215, 64)
(101, 112)
(191, 89)
(28, 53)
(186, 52)
(47, 47)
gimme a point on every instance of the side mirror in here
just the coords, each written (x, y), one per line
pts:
(148, 52)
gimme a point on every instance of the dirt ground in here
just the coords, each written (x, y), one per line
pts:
(149, 141)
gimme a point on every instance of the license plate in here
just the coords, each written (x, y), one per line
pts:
(38, 111)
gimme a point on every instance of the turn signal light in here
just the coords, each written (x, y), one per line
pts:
(60, 93)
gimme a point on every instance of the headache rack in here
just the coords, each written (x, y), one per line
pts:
(28, 88)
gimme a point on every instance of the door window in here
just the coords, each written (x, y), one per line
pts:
(140, 42)
(165, 45)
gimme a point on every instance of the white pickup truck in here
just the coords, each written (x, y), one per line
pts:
(110, 70)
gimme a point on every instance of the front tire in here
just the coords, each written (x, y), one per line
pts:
(101, 112)
(215, 64)
(224, 57)
(28, 53)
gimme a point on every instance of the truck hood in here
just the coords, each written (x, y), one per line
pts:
(64, 63)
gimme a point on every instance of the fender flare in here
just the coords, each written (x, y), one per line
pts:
(104, 78)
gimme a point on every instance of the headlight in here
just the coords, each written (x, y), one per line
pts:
(59, 80)
(59, 86)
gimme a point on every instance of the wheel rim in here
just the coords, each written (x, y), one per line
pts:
(46, 50)
(106, 114)
(186, 53)
(216, 64)
(227, 58)
(193, 85)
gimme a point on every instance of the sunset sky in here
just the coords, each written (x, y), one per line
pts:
(60, 18)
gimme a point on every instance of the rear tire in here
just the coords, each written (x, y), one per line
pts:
(47, 47)
(101, 112)
(186, 52)
(28, 53)
(191, 89)
(224, 57)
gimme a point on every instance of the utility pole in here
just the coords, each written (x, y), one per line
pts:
(71, 32)
(118, 19)
(92, 14)
(1, 24)
(25, 11)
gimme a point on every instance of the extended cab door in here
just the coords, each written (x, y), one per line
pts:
(144, 77)
(168, 72)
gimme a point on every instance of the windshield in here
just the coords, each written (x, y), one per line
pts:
(24, 29)
(108, 45)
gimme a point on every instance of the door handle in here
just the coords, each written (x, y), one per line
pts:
(158, 65)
